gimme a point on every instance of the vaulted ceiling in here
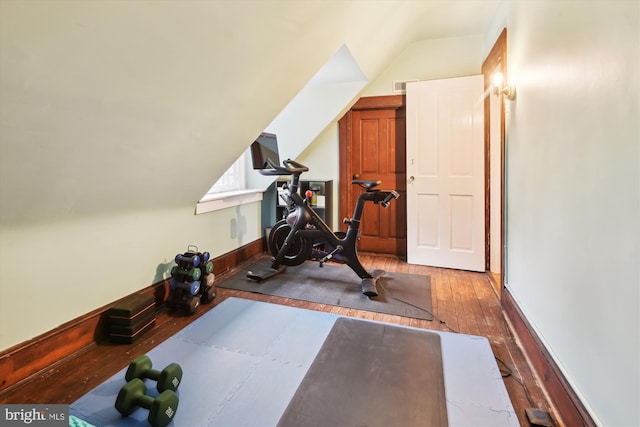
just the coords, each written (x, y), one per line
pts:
(116, 105)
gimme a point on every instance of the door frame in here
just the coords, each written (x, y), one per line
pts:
(497, 57)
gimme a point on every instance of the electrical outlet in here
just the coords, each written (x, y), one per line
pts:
(539, 417)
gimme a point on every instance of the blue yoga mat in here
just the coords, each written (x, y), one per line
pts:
(244, 361)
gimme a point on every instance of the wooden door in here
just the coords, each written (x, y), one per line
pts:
(445, 164)
(373, 146)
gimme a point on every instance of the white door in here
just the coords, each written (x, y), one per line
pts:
(445, 170)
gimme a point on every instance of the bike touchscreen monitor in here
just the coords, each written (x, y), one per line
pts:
(265, 148)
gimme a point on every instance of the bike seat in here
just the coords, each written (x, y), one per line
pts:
(366, 183)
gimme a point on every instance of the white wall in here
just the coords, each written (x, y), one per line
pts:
(429, 60)
(312, 110)
(573, 192)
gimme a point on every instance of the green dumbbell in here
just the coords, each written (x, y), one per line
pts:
(167, 379)
(162, 409)
(208, 268)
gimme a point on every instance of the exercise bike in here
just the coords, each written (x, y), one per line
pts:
(302, 235)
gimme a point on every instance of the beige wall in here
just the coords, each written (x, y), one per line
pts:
(100, 101)
(116, 117)
(52, 273)
(573, 191)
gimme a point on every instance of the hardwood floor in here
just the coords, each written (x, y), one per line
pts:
(462, 301)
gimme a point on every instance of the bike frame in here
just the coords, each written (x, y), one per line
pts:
(308, 227)
(305, 214)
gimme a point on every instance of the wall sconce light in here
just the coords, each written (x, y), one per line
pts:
(500, 87)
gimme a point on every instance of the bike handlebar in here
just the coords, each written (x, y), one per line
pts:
(291, 168)
(387, 200)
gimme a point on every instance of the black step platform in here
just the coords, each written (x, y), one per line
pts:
(131, 318)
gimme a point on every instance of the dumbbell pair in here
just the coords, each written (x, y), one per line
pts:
(168, 379)
(163, 408)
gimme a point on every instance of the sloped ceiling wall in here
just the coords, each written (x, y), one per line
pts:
(117, 116)
(113, 106)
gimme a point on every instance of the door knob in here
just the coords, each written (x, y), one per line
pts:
(411, 179)
(355, 176)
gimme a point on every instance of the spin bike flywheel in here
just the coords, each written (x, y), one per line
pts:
(300, 248)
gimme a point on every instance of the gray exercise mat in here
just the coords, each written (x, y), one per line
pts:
(369, 374)
(400, 294)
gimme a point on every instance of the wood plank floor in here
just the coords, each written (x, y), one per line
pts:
(463, 302)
